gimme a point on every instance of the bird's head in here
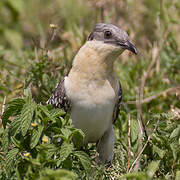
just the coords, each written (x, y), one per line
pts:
(105, 43)
(109, 39)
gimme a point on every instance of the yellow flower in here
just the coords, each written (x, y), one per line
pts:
(45, 139)
(33, 124)
(27, 154)
(53, 26)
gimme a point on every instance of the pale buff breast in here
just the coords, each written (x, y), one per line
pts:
(92, 107)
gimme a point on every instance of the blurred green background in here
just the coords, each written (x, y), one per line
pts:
(35, 55)
(24, 28)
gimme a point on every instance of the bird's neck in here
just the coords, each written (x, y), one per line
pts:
(92, 62)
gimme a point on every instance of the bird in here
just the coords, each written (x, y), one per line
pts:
(91, 93)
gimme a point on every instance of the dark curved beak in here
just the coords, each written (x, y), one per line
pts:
(129, 46)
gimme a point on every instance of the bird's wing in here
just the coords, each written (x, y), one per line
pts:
(118, 103)
(59, 98)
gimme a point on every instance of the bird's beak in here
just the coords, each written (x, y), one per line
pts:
(129, 46)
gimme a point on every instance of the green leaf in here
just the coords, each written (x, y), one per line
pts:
(152, 168)
(78, 137)
(174, 147)
(45, 110)
(5, 140)
(84, 159)
(159, 151)
(65, 151)
(66, 133)
(49, 149)
(10, 158)
(15, 126)
(134, 130)
(135, 175)
(55, 130)
(26, 117)
(175, 133)
(13, 108)
(57, 113)
(60, 174)
(34, 161)
(16, 142)
(36, 134)
(177, 175)
(66, 120)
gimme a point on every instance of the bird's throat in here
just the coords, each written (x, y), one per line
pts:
(93, 63)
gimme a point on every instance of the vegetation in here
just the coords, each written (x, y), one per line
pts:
(38, 42)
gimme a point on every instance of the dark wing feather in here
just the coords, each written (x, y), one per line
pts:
(118, 103)
(59, 98)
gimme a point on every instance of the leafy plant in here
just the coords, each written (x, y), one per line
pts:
(38, 139)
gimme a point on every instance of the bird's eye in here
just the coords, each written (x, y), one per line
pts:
(107, 34)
